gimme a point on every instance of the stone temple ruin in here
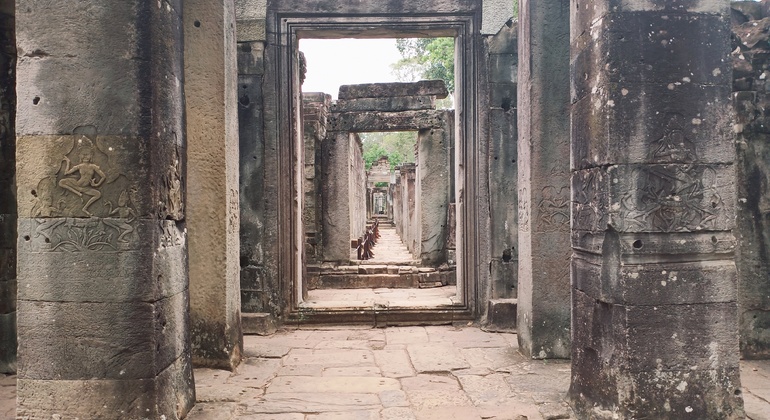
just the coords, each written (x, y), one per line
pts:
(602, 187)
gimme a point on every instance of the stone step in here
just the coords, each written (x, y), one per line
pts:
(375, 281)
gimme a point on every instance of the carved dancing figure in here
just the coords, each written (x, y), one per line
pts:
(88, 182)
(126, 215)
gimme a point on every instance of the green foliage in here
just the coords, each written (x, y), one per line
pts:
(397, 146)
(426, 58)
(380, 184)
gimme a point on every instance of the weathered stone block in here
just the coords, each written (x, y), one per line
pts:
(251, 58)
(501, 315)
(619, 279)
(258, 323)
(435, 88)
(91, 398)
(689, 126)
(102, 340)
(390, 104)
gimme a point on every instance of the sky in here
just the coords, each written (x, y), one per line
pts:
(335, 62)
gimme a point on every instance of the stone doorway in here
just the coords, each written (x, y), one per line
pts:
(290, 29)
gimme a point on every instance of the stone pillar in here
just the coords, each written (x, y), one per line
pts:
(7, 189)
(503, 164)
(255, 294)
(433, 191)
(213, 223)
(653, 193)
(543, 313)
(335, 193)
(315, 111)
(102, 250)
(750, 63)
(408, 186)
(357, 185)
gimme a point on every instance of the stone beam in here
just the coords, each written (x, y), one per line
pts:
(392, 104)
(102, 249)
(210, 75)
(386, 121)
(435, 88)
(543, 314)
(653, 208)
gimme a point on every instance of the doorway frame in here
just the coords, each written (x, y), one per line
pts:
(285, 29)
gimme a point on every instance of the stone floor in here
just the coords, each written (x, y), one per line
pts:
(439, 372)
(388, 250)
(384, 297)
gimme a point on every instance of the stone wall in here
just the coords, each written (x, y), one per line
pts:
(7, 193)
(751, 72)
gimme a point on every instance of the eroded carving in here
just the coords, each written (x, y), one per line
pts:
(126, 213)
(174, 205)
(672, 198)
(523, 209)
(553, 209)
(674, 146)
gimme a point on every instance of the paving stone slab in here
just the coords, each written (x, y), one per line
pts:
(433, 358)
(301, 370)
(313, 402)
(486, 390)
(406, 335)
(397, 413)
(277, 416)
(359, 371)
(492, 358)
(350, 415)
(430, 382)
(329, 357)
(331, 384)
(254, 373)
(394, 363)
(393, 398)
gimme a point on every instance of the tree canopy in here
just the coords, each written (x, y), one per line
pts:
(397, 146)
(426, 58)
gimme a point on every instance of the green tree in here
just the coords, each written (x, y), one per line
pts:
(397, 146)
(426, 58)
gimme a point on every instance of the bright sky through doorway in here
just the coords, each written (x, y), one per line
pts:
(335, 62)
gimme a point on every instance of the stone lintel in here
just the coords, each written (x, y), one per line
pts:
(386, 121)
(393, 104)
(435, 88)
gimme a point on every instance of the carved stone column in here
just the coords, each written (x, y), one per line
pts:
(102, 254)
(543, 313)
(212, 126)
(653, 193)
